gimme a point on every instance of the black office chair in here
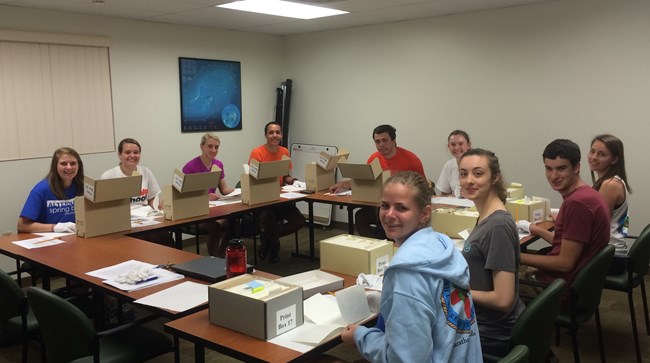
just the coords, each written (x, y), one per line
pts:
(518, 354)
(585, 293)
(17, 321)
(68, 334)
(636, 267)
(535, 324)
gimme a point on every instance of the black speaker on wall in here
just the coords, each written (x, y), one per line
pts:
(282, 109)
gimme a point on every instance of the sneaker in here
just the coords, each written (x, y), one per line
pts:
(263, 251)
(128, 314)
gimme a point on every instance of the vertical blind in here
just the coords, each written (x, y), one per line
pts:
(55, 90)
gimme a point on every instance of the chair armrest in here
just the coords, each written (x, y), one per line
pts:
(533, 283)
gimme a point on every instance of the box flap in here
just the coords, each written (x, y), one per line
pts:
(104, 190)
(269, 169)
(361, 171)
(195, 182)
(329, 162)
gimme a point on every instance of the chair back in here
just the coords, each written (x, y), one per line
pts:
(67, 333)
(535, 324)
(639, 253)
(518, 354)
(13, 298)
(588, 285)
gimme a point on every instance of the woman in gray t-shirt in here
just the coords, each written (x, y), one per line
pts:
(491, 251)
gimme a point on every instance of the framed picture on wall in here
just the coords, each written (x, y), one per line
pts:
(210, 95)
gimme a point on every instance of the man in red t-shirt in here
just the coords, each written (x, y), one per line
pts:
(392, 158)
(582, 225)
(272, 219)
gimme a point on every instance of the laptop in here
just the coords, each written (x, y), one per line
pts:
(211, 269)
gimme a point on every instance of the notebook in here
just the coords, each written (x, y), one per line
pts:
(211, 269)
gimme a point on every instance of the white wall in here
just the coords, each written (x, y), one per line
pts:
(144, 69)
(515, 79)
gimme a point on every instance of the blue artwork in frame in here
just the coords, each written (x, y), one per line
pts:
(210, 95)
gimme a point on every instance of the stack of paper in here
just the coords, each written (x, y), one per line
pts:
(111, 273)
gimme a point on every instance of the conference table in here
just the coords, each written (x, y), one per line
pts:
(197, 329)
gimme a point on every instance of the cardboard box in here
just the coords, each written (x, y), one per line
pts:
(452, 221)
(260, 317)
(366, 179)
(515, 191)
(104, 190)
(106, 205)
(314, 282)
(322, 175)
(262, 183)
(329, 162)
(188, 195)
(269, 169)
(527, 209)
(352, 255)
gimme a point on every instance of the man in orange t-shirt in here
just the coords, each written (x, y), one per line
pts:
(392, 158)
(272, 219)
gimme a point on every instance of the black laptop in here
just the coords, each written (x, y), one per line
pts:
(211, 269)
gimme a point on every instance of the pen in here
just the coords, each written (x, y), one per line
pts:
(150, 278)
(43, 241)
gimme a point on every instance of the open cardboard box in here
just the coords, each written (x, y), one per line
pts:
(322, 175)
(262, 183)
(106, 205)
(188, 195)
(262, 317)
(531, 210)
(366, 179)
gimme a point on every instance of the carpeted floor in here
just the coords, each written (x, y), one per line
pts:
(617, 331)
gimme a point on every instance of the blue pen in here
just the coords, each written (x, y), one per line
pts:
(150, 278)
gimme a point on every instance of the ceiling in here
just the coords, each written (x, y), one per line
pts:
(203, 13)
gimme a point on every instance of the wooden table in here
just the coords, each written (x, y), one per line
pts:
(197, 329)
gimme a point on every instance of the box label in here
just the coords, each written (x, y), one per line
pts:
(89, 191)
(381, 264)
(538, 215)
(322, 161)
(286, 319)
(253, 170)
(178, 182)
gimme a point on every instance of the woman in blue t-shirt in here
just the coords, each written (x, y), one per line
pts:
(50, 205)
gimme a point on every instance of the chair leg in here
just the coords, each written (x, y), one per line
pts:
(601, 344)
(296, 234)
(25, 348)
(635, 333)
(574, 341)
(645, 307)
(557, 335)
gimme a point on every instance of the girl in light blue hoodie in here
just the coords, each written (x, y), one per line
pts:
(425, 303)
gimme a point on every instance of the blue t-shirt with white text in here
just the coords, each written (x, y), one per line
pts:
(44, 207)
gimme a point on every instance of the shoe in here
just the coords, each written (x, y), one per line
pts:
(274, 253)
(128, 314)
(263, 251)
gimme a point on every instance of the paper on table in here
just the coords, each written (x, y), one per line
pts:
(323, 309)
(145, 211)
(291, 188)
(460, 202)
(345, 192)
(54, 234)
(178, 298)
(38, 242)
(108, 274)
(143, 221)
(292, 195)
(220, 202)
(233, 194)
(353, 304)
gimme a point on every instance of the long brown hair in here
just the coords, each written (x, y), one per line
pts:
(53, 178)
(615, 146)
(498, 184)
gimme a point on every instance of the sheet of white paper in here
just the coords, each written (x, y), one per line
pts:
(464, 234)
(54, 234)
(220, 202)
(313, 334)
(323, 309)
(292, 195)
(460, 202)
(143, 221)
(286, 340)
(163, 277)
(38, 242)
(345, 192)
(353, 304)
(119, 269)
(291, 188)
(178, 298)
